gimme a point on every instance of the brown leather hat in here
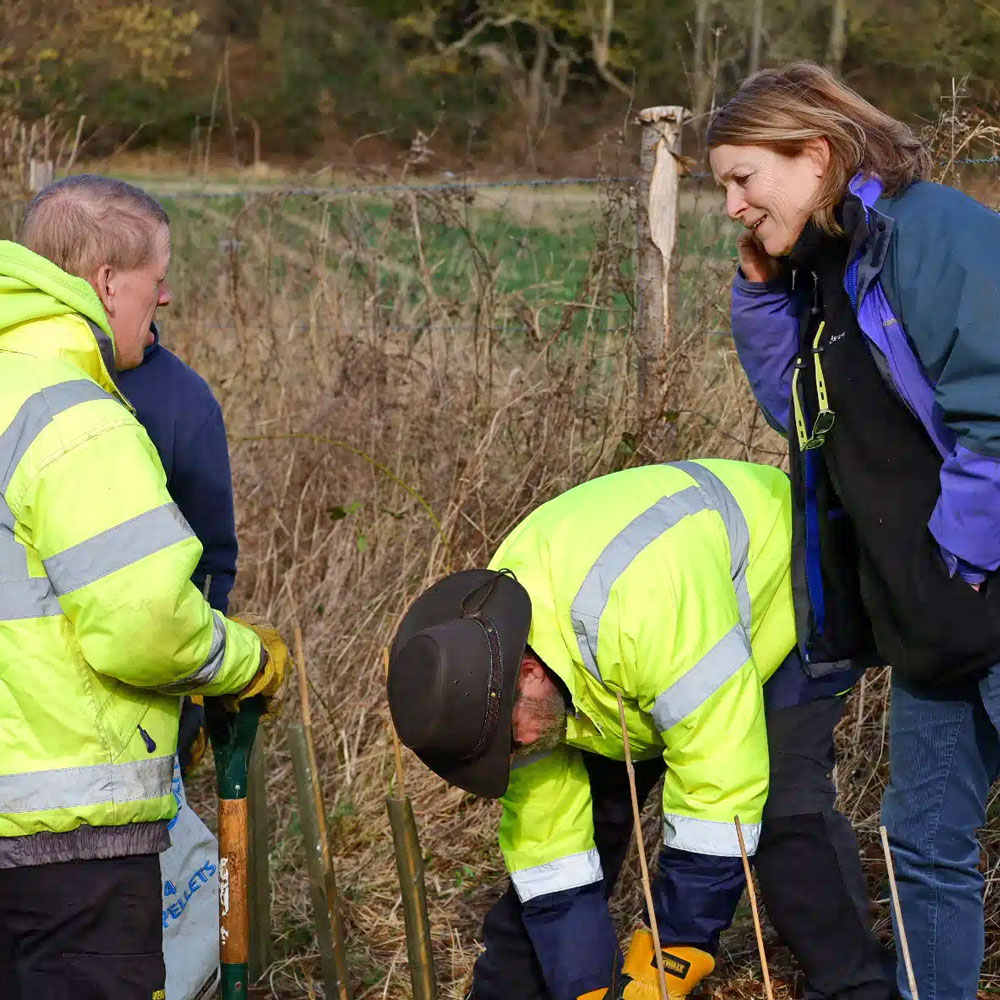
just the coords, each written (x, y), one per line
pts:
(453, 673)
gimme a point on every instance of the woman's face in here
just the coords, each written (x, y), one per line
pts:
(771, 194)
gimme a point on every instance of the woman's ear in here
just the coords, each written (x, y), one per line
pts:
(103, 284)
(818, 151)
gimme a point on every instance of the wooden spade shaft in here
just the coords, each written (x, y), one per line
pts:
(234, 914)
(232, 736)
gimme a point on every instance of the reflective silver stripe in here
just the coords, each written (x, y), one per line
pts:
(21, 595)
(77, 787)
(710, 493)
(718, 497)
(565, 873)
(706, 677)
(531, 758)
(116, 548)
(33, 598)
(592, 597)
(35, 414)
(206, 673)
(706, 836)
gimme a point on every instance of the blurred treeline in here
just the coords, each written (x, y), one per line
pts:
(305, 76)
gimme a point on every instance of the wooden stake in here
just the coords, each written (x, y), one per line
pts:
(751, 892)
(911, 979)
(644, 870)
(657, 211)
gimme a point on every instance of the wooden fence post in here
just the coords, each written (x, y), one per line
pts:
(656, 224)
(40, 174)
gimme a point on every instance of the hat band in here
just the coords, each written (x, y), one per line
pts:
(494, 682)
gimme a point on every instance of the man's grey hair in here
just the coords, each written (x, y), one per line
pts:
(86, 221)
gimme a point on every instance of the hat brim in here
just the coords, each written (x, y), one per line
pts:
(509, 608)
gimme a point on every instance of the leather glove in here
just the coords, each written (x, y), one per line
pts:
(269, 680)
(685, 968)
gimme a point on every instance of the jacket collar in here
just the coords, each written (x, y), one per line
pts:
(868, 254)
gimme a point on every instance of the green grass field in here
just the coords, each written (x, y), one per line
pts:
(540, 258)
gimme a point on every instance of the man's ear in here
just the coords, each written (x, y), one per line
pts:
(531, 667)
(103, 283)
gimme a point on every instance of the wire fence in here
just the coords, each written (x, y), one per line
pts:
(461, 185)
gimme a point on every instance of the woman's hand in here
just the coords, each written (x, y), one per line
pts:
(755, 261)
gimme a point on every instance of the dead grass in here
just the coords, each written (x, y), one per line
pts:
(384, 432)
(382, 440)
(388, 426)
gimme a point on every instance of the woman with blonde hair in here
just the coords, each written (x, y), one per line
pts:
(866, 313)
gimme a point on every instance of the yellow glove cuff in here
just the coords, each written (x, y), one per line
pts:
(269, 677)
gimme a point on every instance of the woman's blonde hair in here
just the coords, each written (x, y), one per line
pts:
(781, 109)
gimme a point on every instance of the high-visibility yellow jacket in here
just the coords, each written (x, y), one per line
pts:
(100, 626)
(671, 585)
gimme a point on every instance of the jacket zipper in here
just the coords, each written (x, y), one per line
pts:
(808, 475)
(147, 739)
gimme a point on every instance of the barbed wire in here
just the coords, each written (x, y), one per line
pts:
(973, 159)
(326, 192)
(533, 182)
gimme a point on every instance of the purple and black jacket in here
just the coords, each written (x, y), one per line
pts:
(935, 331)
(925, 288)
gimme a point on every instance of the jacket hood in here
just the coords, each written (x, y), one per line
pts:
(34, 289)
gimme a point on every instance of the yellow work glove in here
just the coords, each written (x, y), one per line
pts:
(685, 968)
(270, 678)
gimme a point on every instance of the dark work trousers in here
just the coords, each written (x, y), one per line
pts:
(82, 930)
(807, 862)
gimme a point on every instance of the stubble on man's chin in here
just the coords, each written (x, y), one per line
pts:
(551, 712)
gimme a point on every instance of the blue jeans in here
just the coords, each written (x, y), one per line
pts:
(944, 754)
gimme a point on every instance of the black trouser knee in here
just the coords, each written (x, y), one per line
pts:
(808, 864)
(508, 967)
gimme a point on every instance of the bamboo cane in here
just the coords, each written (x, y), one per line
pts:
(410, 868)
(904, 946)
(752, 894)
(326, 909)
(644, 870)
